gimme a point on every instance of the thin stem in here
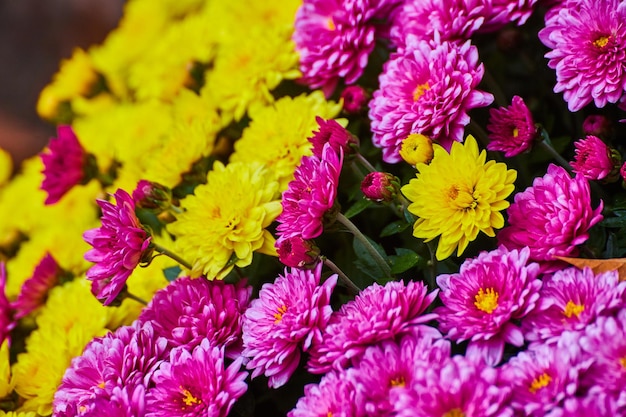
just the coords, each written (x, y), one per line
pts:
(431, 278)
(172, 255)
(175, 209)
(343, 277)
(495, 88)
(136, 298)
(479, 132)
(366, 243)
(365, 162)
(557, 157)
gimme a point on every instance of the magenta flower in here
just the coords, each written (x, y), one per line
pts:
(127, 401)
(7, 321)
(354, 99)
(376, 314)
(296, 252)
(594, 159)
(596, 405)
(196, 383)
(119, 245)
(486, 298)
(572, 299)
(588, 48)
(597, 125)
(64, 164)
(35, 289)
(426, 88)
(335, 395)
(333, 133)
(311, 195)
(511, 129)
(190, 310)
(455, 387)
(288, 316)
(551, 217)
(380, 186)
(502, 12)
(152, 195)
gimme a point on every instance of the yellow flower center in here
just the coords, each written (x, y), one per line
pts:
(572, 309)
(515, 132)
(540, 382)
(622, 362)
(461, 198)
(101, 385)
(454, 413)
(486, 301)
(279, 316)
(330, 24)
(398, 382)
(420, 90)
(188, 397)
(602, 41)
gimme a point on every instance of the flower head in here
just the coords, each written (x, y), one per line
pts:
(499, 13)
(119, 245)
(296, 252)
(354, 99)
(560, 217)
(64, 164)
(376, 314)
(417, 149)
(597, 125)
(152, 195)
(501, 287)
(587, 41)
(457, 196)
(511, 129)
(380, 186)
(288, 316)
(190, 310)
(426, 88)
(35, 289)
(595, 160)
(194, 383)
(311, 195)
(332, 132)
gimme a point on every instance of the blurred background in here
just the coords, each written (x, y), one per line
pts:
(34, 36)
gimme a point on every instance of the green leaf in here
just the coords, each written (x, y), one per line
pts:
(614, 222)
(394, 227)
(358, 207)
(171, 273)
(404, 260)
(367, 264)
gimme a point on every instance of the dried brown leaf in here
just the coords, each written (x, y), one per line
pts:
(599, 265)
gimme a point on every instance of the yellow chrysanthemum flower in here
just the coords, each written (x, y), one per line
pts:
(277, 134)
(227, 217)
(6, 382)
(458, 195)
(17, 414)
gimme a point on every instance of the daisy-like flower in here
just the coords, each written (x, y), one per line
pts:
(595, 160)
(551, 217)
(587, 41)
(224, 222)
(571, 299)
(35, 289)
(330, 131)
(501, 287)
(311, 195)
(456, 387)
(195, 383)
(64, 164)
(288, 316)
(376, 314)
(511, 129)
(426, 88)
(119, 245)
(190, 310)
(457, 196)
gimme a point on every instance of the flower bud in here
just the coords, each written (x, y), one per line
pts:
(417, 149)
(595, 160)
(380, 186)
(330, 131)
(296, 252)
(152, 195)
(354, 99)
(597, 125)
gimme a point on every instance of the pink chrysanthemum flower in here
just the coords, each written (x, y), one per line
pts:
(597, 125)
(190, 310)
(588, 42)
(456, 387)
(427, 88)
(354, 98)
(596, 405)
(196, 383)
(376, 314)
(551, 217)
(570, 300)
(119, 245)
(335, 395)
(390, 365)
(296, 252)
(64, 164)
(485, 299)
(7, 321)
(311, 195)
(334, 39)
(540, 379)
(288, 316)
(35, 289)
(594, 159)
(455, 20)
(332, 132)
(127, 401)
(499, 13)
(511, 129)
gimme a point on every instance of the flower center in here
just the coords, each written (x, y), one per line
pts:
(540, 382)
(515, 132)
(622, 361)
(101, 385)
(398, 382)
(420, 90)
(602, 41)
(461, 198)
(486, 301)
(572, 309)
(330, 24)
(454, 413)
(188, 398)
(279, 316)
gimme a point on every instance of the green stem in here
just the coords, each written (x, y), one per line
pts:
(343, 277)
(172, 255)
(175, 209)
(365, 162)
(557, 157)
(366, 243)
(495, 89)
(136, 298)
(431, 278)
(479, 132)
